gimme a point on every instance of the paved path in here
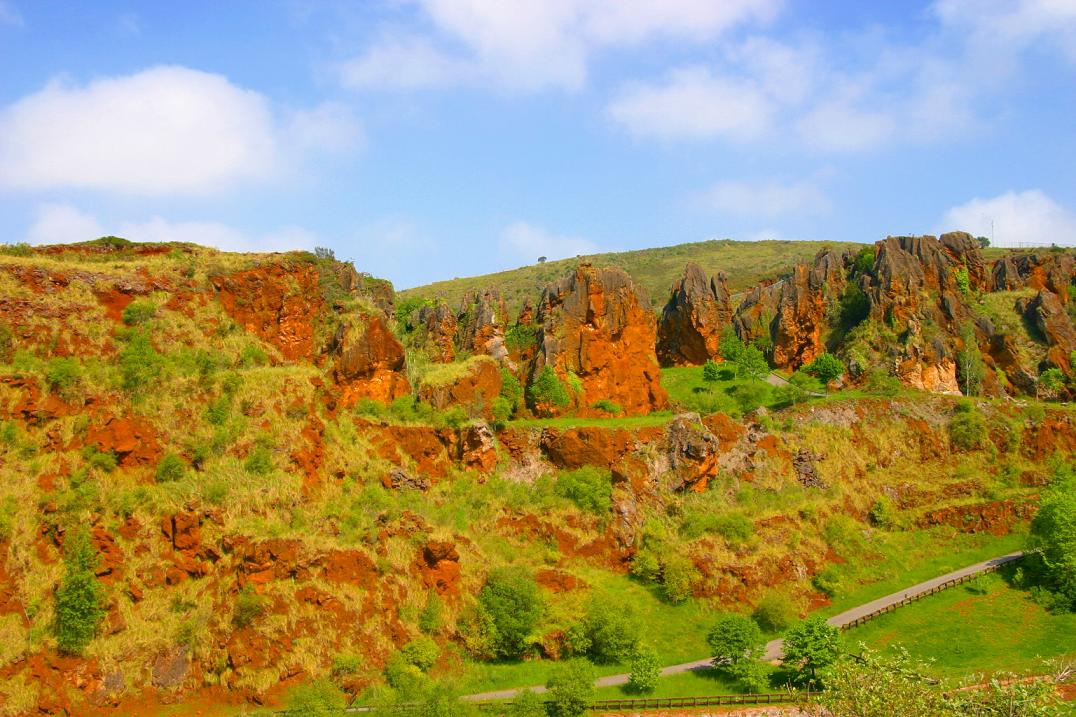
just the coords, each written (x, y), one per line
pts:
(774, 649)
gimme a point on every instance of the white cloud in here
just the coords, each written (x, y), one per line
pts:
(329, 127)
(769, 199)
(63, 224)
(523, 241)
(1012, 25)
(695, 104)
(1028, 217)
(163, 131)
(403, 62)
(9, 15)
(537, 44)
(842, 127)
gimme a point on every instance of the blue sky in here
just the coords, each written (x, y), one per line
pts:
(426, 139)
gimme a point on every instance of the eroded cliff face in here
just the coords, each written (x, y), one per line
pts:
(482, 318)
(368, 361)
(596, 326)
(806, 298)
(691, 324)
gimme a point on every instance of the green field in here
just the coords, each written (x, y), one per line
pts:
(745, 264)
(984, 626)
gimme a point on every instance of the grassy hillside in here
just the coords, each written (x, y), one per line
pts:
(745, 263)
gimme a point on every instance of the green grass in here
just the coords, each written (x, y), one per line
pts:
(659, 418)
(966, 632)
(745, 263)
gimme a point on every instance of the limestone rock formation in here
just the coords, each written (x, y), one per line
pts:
(278, 303)
(482, 318)
(754, 316)
(1048, 314)
(1054, 271)
(801, 310)
(439, 327)
(595, 324)
(473, 386)
(694, 317)
(368, 361)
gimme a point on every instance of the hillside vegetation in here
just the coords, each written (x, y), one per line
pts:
(745, 263)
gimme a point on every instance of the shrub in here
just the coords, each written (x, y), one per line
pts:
(733, 639)
(883, 513)
(881, 382)
(963, 279)
(319, 698)
(78, 598)
(570, 688)
(969, 361)
(589, 487)
(753, 676)
(967, 430)
(170, 468)
(1053, 533)
(646, 565)
(252, 355)
(104, 461)
(346, 665)
(751, 395)
(511, 599)
(62, 374)
(402, 675)
(827, 582)
(139, 312)
(611, 407)
(260, 461)
(864, 260)
(775, 612)
(432, 615)
(7, 344)
(216, 413)
(734, 527)
(855, 306)
(421, 652)
(249, 605)
(140, 364)
(511, 390)
(826, 367)
(678, 576)
(526, 704)
(547, 389)
(1051, 381)
(711, 371)
(609, 632)
(645, 669)
(520, 337)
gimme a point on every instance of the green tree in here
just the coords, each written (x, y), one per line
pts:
(571, 688)
(855, 306)
(589, 487)
(511, 390)
(526, 704)
(79, 596)
(711, 371)
(608, 632)
(967, 428)
(320, 698)
(645, 669)
(811, 645)
(826, 367)
(511, 599)
(140, 364)
(1053, 535)
(733, 639)
(969, 361)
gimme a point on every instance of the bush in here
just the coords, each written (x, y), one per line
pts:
(963, 280)
(826, 367)
(249, 605)
(319, 698)
(260, 460)
(609, 632)
(645, 669)
(140, 364)
(216, 413)
(678, 576)
(775, 612)
(589, 487)
(421, 652)
(967, 430)
(526, 704)
(78, 598)
(346, 665)
(570, 688)
(733, 639)
(855, 306)
(881, 382)
(170, 468)
(139, 312)
(520, 337)
(62, 374)
(711, 371)
(511, 390)
(827, 582)
(104, 461)
(883, 513)
(547, 389)
(734, 527)
(1053, 534)
(252, 355)
(864, 260)
(751, 395)
(611, 407)
(432, 616)
(511, 599)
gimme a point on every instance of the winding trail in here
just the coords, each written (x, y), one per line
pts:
(775, 648)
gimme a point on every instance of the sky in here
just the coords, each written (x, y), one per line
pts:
(432, 139)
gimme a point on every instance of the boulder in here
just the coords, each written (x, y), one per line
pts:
(694, 317)
(278, 303)
(474, 385)
(595, 325)
(368, 361)
(132, 440)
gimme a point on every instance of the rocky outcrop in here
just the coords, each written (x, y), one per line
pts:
(694, 317)
(132, 440)
(964, 249)
(802, 308)
(754, 316)
(278, 303)
(595, 325)
(356, 283)
(693, 453)
(482, 318)
(1048, 315)
(474, 386)
(1053, 271)
(368, 361)
(438, 326)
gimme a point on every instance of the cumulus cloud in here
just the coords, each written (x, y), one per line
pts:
(1016, 218)
(769, 199)
(523, 241)
(535, 44)
(694, 103)
(63, 224)
(163, 131)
